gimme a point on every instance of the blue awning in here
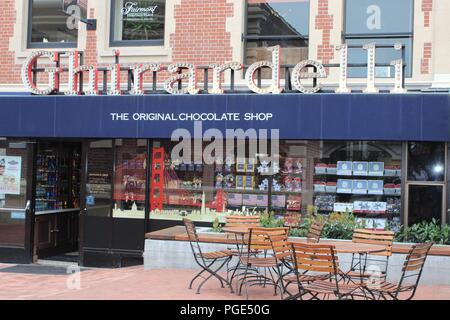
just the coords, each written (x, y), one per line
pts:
(405, 117)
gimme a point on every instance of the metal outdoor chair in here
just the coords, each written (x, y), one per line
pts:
(411, 274)
(377, 262)
(316, 269)
(206, 260)
(259, 256)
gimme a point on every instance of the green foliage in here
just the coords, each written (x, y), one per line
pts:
(425, 232)
(269, 221)
(216, 227)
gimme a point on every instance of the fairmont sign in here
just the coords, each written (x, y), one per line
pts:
(187, 72)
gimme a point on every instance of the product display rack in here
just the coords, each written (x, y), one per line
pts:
(57, 179)
(381, 202)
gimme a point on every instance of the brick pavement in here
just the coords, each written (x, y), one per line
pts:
(137, 284)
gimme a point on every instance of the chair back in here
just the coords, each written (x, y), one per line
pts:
(242, 221)
(414, 263)
(261, 239)
(314, 232)
(378, 237)
(319, 258)
(192, 236)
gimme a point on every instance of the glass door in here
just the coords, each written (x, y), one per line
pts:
(15, 200)
(426, 178)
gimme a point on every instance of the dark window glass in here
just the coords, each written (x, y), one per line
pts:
(284, 23)
(383, 22)
(138, 21)
(99, 178)
(426, 161)
(425, 203)
(55, 22)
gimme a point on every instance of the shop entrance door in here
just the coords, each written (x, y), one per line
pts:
(16, 212)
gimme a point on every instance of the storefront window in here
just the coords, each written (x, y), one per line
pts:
(383, 22)
(425, 203)
(54, 23)
(99, 178)
(275, 22)
(139, 22)
(360, 177)
(130, 178)
(13, 191)
(426, 161)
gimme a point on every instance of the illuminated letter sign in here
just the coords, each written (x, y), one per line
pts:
(217, 73)
(297, 75)
(27, 73)
(274, 65)
(169, 84)
(75, 69)
(138, 73)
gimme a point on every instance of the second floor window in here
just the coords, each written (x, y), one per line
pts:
(54, 23)
(277, 22)
(137, 22)
(383, 22)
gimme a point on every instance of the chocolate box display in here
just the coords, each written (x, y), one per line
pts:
(319, 186)
(235, 199)
(331, 187)
(389, 189)
(249, 200)
(278, 201)
(332, 169)
(320, 168)
(294, 202)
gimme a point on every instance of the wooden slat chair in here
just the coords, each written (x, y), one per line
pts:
(377, 262)
(411, 274)
(239, 222)
(314, 232)
(316, 268)
(206, 260)
(259, 256)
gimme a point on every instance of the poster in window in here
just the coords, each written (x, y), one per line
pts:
(10, 174)
(360, 168)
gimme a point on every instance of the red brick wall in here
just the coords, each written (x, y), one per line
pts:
(200, 34)
(9, 72)
(324, 22)
(427, 7)
(425, 61)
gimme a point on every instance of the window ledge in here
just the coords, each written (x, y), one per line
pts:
(136, 51)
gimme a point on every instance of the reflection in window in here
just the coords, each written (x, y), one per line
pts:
(426, 161)
(381, 22)
(284, 23)
(55, 22)
(140, 21)
(130, 178)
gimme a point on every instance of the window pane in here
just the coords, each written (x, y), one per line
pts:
(13, 188)
(130, 178)
(53, 20)
(278, 17)
(426, 161)
(379, 16)
(139, 20)
(362, 177)
(383, 55)
(425, 203)
(292, 52)
(99, 178)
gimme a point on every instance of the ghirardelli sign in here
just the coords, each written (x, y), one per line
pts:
(187, 72)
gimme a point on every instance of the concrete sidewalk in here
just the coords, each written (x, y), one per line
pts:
(133, 283)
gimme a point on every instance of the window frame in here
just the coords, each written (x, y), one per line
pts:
(132, 43)
(44, 45)
(246, 37)
(388, 35)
